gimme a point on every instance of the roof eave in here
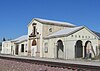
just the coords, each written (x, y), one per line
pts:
(55, 24)
(30, 22)
(92, 32)
(50, 23)
(20, 41)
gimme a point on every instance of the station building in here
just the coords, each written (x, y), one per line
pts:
(16, 46)
(54, 39)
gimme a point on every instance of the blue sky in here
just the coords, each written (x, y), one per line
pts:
(16, 14)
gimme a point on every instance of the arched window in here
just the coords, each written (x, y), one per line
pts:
(34, 42)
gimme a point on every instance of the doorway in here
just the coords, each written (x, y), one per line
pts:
(88, 49)
(16, 50)
(78, 49)
(60, 49)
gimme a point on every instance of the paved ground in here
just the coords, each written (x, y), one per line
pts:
(74, 61)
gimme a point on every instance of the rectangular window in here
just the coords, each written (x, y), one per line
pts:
(71, 35)
(34, 29)
(25, 47)
(22, 48)
(46, 47)
(11, 48)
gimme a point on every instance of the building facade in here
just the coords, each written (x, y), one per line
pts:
(78, 42)
(6, 47)
(54, 39)
(16, 46)
(40, 28)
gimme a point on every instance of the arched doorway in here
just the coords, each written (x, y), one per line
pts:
(60, 49)
(78, 49)
(34, 43)
(88, 49)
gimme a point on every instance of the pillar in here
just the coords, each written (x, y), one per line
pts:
(38, 48)
(29, 47)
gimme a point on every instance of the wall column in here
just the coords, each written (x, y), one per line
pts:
(38, 48)
(83, 51)
(29, 47)
(55, 50)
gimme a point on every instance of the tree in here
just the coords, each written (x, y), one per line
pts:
(4, 39)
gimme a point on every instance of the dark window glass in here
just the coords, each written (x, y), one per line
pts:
(34, 29)
(72, 35)
(22, 48)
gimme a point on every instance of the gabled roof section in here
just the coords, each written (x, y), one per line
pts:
(51, 22)
(97, 33)
(69, 31)
(64, 32)
(20, 39)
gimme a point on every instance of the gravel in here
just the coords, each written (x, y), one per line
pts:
(11, 65)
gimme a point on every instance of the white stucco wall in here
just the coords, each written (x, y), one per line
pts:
(6, 47)
(43, 30)
(39, 28)
(69, 43)
(51, 46)
(33, 49)
(25, 49)
(87, 36)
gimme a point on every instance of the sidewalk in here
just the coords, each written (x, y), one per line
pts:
(68, 61)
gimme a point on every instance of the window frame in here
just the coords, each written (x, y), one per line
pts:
(46, 47)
